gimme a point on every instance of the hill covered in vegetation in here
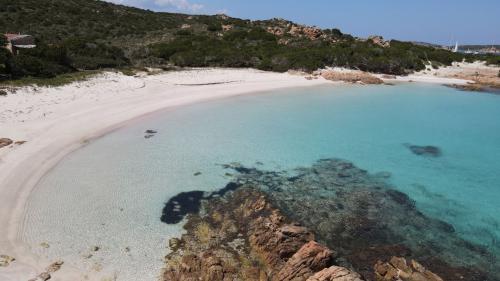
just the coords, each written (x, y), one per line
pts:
(77, 35)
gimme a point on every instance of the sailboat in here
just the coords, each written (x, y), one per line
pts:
(456, 48)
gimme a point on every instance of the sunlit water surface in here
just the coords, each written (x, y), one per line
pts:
(111, 193)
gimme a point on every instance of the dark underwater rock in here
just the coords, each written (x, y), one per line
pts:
(180, 205)
(427, 150)
(189, 202)
(149, 134)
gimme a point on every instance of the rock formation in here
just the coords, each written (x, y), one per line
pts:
(399, 269)
(364, 220)
(379, 40)
(243, 237)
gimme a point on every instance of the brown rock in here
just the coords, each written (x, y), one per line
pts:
(6, 260)
(55, 266)
(312, 257)
(335, 273)
(5, 142)
(399, 269)
(212, 269)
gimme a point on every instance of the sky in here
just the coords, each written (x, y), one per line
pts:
(433, 21)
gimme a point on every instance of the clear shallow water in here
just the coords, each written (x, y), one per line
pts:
(111, 192)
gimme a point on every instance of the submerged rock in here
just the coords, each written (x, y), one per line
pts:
(149, 134)
(185, 203)
(427, 150)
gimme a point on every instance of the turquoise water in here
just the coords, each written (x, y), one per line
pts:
(112, 191)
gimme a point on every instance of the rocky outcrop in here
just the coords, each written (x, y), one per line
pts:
(243, 237)
(364, 219)
(311, 258)
(5, 142)
(399, 269)
(379, 40)
(335, 273)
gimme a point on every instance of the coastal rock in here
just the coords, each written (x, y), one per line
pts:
(399, 269)
(242, 236)
(379, 40)
(6, 260)
(335, 273)
(5, 142)
(312, 257)
(363, 218)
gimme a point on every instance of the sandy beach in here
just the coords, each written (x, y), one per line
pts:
(49, 123)
(55, 121)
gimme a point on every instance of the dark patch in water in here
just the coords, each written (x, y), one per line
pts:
(180, 205)
(185, 203)
(401, 198)
(427, 150)
(149, 134)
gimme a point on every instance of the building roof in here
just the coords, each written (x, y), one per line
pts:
(21, 40)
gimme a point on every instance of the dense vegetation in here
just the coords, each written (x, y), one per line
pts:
(89, 34)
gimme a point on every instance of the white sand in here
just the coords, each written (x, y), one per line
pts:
(56, 121)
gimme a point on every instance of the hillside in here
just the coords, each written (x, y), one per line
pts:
(89, 34)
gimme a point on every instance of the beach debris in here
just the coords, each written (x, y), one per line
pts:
(20, 142)
(197, 174)
(95, 248)
(44, 245)
(127, 249)
(44, 276)
(55, 266)
(150, 133)
(426, 150)
(6, 260)
(5, 142)
(3, 93)
(97, 267)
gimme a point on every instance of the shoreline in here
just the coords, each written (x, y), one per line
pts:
(22, 166)
(105, 103)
